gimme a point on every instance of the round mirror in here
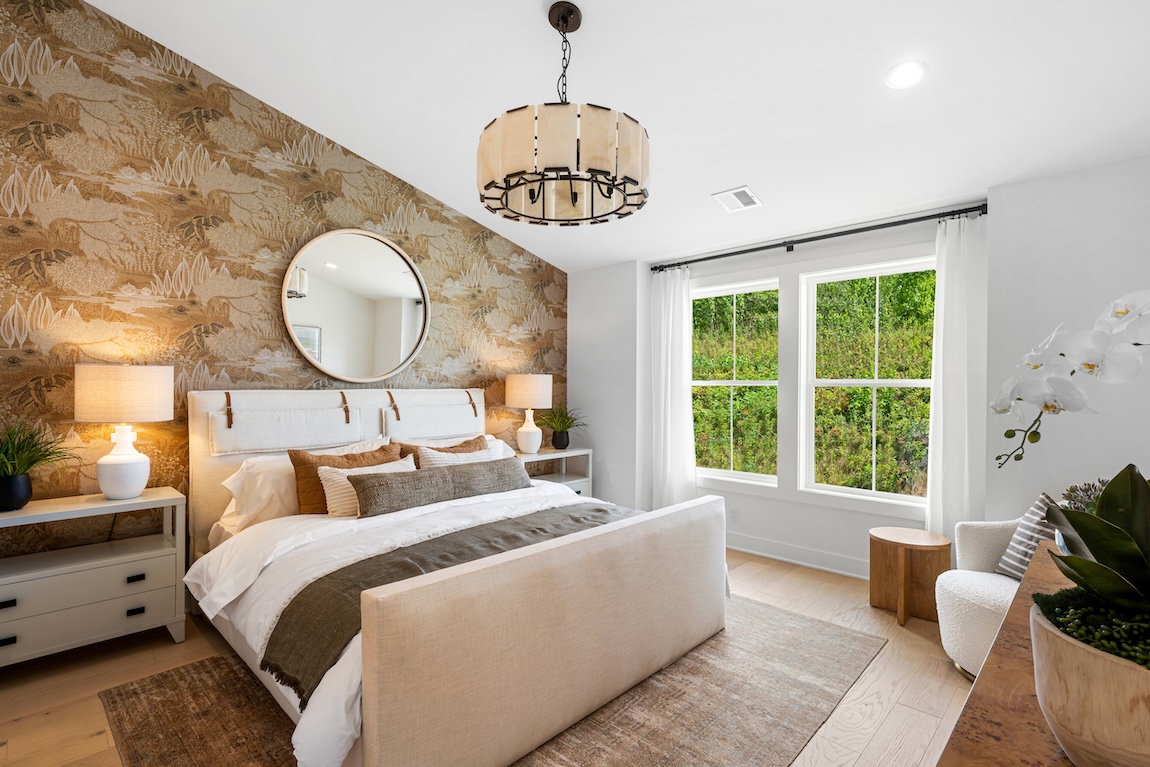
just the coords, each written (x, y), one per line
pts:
(355, 305)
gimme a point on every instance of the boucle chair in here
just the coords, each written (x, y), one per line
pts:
(973, 600)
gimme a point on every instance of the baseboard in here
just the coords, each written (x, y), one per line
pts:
(798, 555)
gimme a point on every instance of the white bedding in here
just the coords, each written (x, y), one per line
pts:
(251, 577)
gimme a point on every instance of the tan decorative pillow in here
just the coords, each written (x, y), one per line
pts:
(473, 445)
(309, 489)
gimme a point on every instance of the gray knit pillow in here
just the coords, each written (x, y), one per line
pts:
(385, 493)
(1031, 530)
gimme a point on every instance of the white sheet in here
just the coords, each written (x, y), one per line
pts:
(252, 576)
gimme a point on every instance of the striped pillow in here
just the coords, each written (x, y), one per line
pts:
(1031, 530)
(340, 495)
(430, 458)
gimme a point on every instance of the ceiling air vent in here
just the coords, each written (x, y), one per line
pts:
(734, 200)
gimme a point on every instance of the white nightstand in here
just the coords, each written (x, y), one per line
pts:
(57, 600)
(574, 466)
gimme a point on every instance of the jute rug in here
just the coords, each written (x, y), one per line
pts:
(752, 695)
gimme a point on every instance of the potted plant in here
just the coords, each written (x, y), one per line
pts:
(1092, 642)
(23, 447)
(561, 421)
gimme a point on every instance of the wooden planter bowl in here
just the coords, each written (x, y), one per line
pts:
(1097, 704)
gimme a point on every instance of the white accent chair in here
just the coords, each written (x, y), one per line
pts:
(973, 600)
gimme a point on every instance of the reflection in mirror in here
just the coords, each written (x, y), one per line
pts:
(355, 305)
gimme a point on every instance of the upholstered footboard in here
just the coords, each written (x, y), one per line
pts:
(481, 663)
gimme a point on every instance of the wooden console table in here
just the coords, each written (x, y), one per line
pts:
(1001, 724)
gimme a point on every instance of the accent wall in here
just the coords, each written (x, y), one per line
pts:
(150, 210)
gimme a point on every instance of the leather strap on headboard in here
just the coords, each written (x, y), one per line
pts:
(368, 412)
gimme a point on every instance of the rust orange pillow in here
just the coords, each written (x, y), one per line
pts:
(309, 489)
(473, 445)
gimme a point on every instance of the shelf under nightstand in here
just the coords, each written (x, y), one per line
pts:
(574, 466)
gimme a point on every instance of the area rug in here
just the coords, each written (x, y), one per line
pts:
(754, 694)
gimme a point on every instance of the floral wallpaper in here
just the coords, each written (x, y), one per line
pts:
(150, 210)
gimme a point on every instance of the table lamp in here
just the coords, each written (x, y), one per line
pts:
(123, 395)
(528, 391)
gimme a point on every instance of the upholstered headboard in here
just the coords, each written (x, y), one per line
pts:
(227, 427)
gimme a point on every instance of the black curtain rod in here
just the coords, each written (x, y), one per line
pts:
(790, 244)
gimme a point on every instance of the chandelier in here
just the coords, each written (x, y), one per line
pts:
(562, 163)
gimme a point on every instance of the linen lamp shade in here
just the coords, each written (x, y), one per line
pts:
(528, 391)
(123, 394)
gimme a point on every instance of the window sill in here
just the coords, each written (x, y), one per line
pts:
(767, 487)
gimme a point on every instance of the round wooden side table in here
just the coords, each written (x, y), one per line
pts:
(904, 565)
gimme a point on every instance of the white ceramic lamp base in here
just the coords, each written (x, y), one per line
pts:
(529, 437)
(123, 473)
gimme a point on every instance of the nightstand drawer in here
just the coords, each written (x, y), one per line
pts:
(62, 629)
(583, 486)
(37, 596)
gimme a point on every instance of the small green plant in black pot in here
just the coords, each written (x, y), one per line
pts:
(561, 421)
(23, 447)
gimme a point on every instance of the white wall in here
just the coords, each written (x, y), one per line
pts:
(346, 331)
(1061, 248)
(389, 333)
(607, 378)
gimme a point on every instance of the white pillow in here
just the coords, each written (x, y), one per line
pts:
(429, 458)
(492, 441)
(264, 486)
(341, 498)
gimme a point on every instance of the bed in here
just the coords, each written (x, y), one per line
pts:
(475, 664)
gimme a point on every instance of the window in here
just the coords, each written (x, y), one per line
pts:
(853, 385)
(735, 370)
(868, 399)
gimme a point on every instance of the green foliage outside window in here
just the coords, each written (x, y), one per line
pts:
(855, 425)
(736, 340)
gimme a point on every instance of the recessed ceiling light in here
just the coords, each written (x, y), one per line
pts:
(905, 75)
(330, 265)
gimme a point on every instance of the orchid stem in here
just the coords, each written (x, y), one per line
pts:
(1021, 449)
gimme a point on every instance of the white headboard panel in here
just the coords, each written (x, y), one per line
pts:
(226, 428)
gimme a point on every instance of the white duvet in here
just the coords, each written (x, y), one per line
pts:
(251, 577)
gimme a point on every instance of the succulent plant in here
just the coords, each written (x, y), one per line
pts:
(1084, 497)
(1110, 549)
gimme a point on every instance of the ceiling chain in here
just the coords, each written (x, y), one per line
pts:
(561, 86)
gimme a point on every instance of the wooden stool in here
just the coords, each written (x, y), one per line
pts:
(904, 565)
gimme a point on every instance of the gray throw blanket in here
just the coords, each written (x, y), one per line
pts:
(317, 624)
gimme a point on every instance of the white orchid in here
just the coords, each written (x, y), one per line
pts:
(1109, 353)
(1053, 394)
(1129, 317)
(1006, 400)
(1100, 354)
(1040, 355)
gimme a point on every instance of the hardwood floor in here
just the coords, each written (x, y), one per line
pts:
(902, 709)
(899, 714)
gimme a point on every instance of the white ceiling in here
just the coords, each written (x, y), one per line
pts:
(787, 97)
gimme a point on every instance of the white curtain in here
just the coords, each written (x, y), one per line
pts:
(958, 413)
(673, 431)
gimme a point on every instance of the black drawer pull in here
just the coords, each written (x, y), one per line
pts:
(136, 611)
(136, 578)
(5, 641)
(7, 603)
